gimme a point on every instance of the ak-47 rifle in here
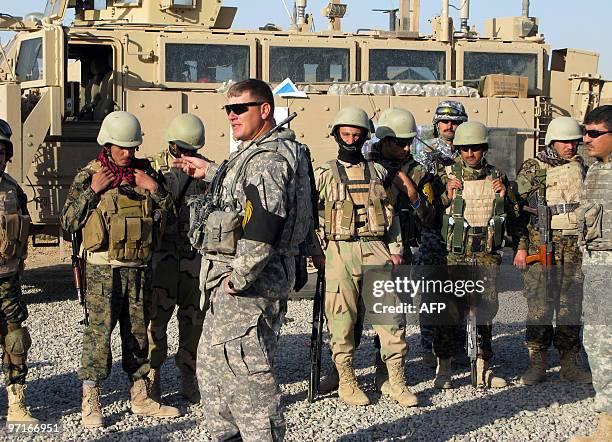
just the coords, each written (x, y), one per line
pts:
(78, 264)
(316, 337)
(472, 328)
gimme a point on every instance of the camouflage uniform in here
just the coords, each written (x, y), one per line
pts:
(235, 361)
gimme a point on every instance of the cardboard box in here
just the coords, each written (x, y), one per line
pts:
(498, 85)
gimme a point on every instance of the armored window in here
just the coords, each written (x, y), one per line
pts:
(402, 64)
(477, 64)
(206, 63)
(309, 65)
(30, 60)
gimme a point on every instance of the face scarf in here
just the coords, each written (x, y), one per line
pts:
(551, 156)
(120, 174)
(350, 153)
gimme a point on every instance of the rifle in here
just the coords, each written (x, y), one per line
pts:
(316, 337)
(545, 250)
(78, 264)
(472, 329)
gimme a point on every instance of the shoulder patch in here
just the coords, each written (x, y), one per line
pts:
(428, 191)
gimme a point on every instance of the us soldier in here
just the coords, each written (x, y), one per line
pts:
(435, 155)
(249, 243)
(176, 265)
(473, 230)
(117, 205)
(358, 227)
(595, 236)
(14, 337)
(555, 174)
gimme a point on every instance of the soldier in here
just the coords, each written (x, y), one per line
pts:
(176, 265)
(360, 229)
(595, 236)
(556, 174)
(249, 242)
(118, 206)
(14, 337)
(473, 230)
(434, 155)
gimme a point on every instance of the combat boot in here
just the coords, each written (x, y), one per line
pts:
(603, 433)
(444, 374)
(381, 375)
(91, 410)
(571, 370)
(143, 405)
(429, 359)
(189, 387)
(17, 410)
(485, 376)
(536, 372)
(330, 382)
(155, 382)
(397, 389)
(348, 389)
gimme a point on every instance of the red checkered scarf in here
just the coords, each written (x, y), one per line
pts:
(120, 174)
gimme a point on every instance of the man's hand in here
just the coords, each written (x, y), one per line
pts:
(226, 287)
(101, 180)
(519, 259)
(192, 166)
(452, 185)
(406, 185)
(319, 262)
(397, 260)
(498, 187)
(145, 181)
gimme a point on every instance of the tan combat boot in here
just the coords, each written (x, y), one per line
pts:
(485, 376)
(190, 389)
(91, 410)
(571, 370)
(381, 375)
(348, 389)
(444, 374)
(144, 405)
(330, 382)
(603, 433)
(17, 410)
(536, 372)
(397, 389)
(155, 384)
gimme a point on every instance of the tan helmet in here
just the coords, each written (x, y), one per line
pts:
(121, 129)
(397, 123)
(352, 116)
(186, 131)
(563, 129)
(471, 133)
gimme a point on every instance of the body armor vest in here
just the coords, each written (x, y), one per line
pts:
(357, 205)
(563, 188)
(14, 228)
(595, 212)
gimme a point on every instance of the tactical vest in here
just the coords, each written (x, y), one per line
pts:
(595, 212)
(356, 208)
(474, 221)
(119, 230)
(14, 228)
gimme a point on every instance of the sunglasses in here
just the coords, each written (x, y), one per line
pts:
(450, 111)
(240, 108)
(473, 148)
(5, 129)
(401, 142)
(592, 133)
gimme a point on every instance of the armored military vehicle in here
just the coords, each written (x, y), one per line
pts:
(160, 58)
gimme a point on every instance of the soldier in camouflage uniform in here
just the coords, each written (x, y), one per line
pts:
(117, 204)
(249, 242)
(176, 265)
(14, 337)
(595, 231)
(555, 174)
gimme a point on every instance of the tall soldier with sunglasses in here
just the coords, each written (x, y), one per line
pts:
(118, 205)
(14, 337)
(176, 265)
(555, 176)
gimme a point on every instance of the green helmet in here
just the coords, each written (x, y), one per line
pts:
(563, 129)
(186, 131)
(5, 137)
(471, 133)
(121, 129)
(352, 116)
(397, 123)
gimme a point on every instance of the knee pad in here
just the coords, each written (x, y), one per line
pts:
(17, 342)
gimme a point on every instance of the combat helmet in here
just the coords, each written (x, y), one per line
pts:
(121, 129)
(5, 137)
(471, 133)
(186, 131)
(563, 129)
(397, 123)
(449, 110)
(352, 116)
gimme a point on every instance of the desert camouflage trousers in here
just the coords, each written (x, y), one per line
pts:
(344, 308)
(240, 395)
(13, 311)
(123, 295)
(176, 283)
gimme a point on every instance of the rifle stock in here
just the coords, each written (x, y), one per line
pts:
(77, 276)
(316, 337)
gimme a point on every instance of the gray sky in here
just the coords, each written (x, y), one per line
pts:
(564, 23)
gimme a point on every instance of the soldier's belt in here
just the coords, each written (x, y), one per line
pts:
(363, 238)
(558, 209)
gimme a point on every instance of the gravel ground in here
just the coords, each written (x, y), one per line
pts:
(551, 411)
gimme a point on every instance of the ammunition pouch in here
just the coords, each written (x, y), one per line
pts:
(95, 235)
(130, 238)
(14, 230)
(222, 230)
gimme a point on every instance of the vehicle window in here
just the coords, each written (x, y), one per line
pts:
(477, 64)
(30, 60)
(402, 64)
(206, 63)
(309, 65)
